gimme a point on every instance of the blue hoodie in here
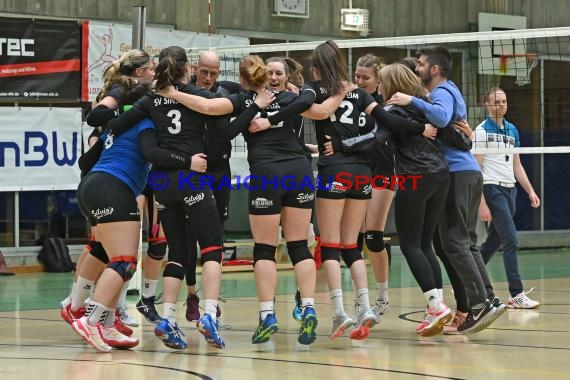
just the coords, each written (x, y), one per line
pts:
(441, 112)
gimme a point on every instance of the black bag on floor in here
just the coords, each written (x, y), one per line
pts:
(55, 255)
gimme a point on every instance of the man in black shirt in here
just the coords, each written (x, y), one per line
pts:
(218, 152)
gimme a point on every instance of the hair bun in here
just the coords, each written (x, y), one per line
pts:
(126, 68)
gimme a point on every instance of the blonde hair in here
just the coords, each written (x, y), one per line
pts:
(123, 68)
(398, 78)
(371, 61)
(254, 71)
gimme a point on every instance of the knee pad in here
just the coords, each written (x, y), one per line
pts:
(350, 254)
(263, 252)
(298, 251)
(96, 250)
(125, 266)
(173, 270)
(375, 241)
(156, 248)
(211, 254)
(330, 251)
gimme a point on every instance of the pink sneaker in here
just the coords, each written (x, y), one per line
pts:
(115, 339)
(91, 334)
(69, 315)
(435, 320)
(365, 319)
(121, 327)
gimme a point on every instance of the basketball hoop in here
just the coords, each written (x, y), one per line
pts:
(520, 65)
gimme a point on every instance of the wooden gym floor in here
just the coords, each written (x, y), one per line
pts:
(530, 344)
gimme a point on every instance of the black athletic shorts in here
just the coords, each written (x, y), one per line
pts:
(340, 181)
(183, 188)
(103, 198)
(284, 184)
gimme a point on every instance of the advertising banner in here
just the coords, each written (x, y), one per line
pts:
(39, 148)
(40, 59)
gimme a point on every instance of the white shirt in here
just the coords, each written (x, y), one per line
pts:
(497, 167)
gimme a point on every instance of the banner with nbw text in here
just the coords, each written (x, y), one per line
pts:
(39, 148)
(40, 59)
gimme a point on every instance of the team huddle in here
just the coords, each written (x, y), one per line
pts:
(400, 121)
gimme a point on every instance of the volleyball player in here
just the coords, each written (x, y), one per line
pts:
(107, 197)
(274, 154)
(184, 201)
(132, 64)
(381, 163)
(340, 208)
(153, 258)
(417, 207)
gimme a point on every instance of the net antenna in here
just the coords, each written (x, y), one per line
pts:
(521, 64)
(209, 24)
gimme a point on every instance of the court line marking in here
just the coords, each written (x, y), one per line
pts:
(204, 377)
(198, 375)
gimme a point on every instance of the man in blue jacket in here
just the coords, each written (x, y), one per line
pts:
(455, 240)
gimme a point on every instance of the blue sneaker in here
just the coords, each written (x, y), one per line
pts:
(297, 310)
(308, 331)
(209, 328)
(146, 307)
(265, 329)
(171, 335)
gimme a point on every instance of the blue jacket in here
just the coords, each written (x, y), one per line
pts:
(447, 106)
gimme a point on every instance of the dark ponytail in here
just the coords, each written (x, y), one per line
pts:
(332, 66)
(171, 67)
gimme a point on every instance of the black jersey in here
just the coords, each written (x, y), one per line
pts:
(381, 160)
(416, 154)
(345, 122)
(280, 142)
(178, 128)
(115, 91)
(230, 86)
(367, 122)
(218, 147)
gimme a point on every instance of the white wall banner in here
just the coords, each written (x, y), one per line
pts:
(107, 42)
(39, 148)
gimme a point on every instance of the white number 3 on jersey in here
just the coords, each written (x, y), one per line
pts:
(175, 115)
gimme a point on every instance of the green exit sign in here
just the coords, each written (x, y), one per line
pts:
(354, 19)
